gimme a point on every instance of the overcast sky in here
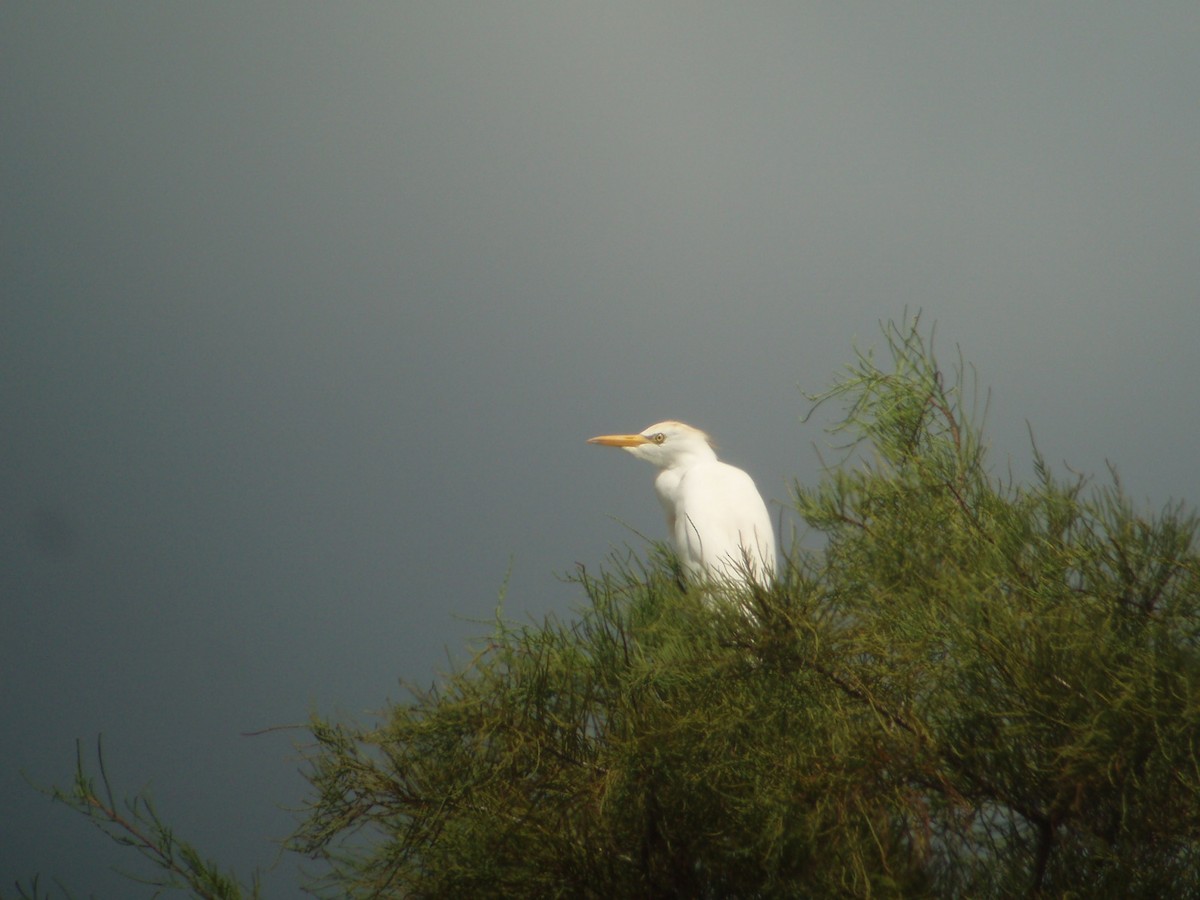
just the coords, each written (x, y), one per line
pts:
(309, 309)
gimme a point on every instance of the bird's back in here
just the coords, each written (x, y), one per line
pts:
(719, 522)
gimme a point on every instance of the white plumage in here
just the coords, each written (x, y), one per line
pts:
(716, 517)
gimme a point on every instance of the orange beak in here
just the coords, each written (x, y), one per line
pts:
(620, 440)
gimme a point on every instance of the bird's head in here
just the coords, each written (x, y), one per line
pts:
(664, 444)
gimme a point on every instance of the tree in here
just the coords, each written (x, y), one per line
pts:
(971, 687)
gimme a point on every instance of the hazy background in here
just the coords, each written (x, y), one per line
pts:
(308, 310)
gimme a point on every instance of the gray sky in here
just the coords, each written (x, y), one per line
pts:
(308, 311)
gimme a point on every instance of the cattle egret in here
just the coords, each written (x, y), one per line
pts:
(715, 515)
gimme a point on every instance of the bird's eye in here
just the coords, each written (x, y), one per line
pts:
(659, 438)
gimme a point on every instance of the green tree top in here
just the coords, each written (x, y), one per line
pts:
(972, 688)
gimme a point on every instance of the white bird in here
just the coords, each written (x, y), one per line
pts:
(715, 515)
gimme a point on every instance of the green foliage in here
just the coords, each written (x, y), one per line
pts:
(135, 823)
(973, 688)
(647, 749)
(1042, 645)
